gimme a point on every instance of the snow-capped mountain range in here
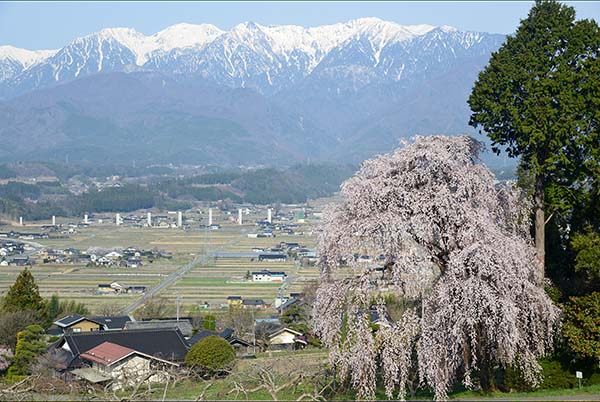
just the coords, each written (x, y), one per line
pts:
(252, 94)
(267, 58)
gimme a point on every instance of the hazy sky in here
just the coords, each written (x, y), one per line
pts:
(46, 25)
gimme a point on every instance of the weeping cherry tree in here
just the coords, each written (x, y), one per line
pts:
(428, 227)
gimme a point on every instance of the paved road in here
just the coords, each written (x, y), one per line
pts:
(36, 247)
(177, 275)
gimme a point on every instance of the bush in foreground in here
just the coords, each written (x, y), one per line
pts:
(211, 355)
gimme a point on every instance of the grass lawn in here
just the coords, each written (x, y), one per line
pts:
(592, 391)
(221, 389)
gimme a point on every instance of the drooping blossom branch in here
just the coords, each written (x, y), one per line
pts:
(428, 227)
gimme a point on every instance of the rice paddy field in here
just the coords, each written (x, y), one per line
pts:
(211, 281)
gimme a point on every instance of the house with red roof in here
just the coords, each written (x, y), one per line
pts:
(121, 366)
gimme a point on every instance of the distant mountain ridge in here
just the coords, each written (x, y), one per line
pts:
(266, 58)
(336, 92)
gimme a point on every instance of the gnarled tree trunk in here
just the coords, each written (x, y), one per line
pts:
(540, 223)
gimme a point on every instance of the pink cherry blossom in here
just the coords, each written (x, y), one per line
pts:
(430, 226)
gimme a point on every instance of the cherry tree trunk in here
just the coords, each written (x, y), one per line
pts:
(540, 223)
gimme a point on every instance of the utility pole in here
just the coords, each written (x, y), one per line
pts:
(253, 333)
(177, 302)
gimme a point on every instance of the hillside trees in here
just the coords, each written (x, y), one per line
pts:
(59, 308)
(539, 99)
(455, 248)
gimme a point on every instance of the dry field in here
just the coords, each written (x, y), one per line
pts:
(209, 282)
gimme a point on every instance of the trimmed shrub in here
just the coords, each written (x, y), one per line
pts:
(211, 355)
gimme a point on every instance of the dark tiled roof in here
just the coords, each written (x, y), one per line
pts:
(168, 319)
(54, 330)
(168, 343)
(374, 316)
(112, 322)
(267, 272)
(227, 334)
(253, 302)
(238, 341)
(201, 335)
(272, 257)
(69, 320)
(184, 326)
(288, 303)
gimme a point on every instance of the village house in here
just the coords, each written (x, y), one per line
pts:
(77, 323)
(253, 303)
(121, 366)
(20, 260)
(112, 323)
(118, 288)
(286, 338)
(104, 261)
(292, 301)
(268, 276)
(113, 255)
(272, 257)
(234, 300)
(376, 319)
(184, 325)
(166, 344)
(289, 246)
(132, 262)
(279, 300)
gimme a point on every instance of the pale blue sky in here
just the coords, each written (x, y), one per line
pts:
(46, 25)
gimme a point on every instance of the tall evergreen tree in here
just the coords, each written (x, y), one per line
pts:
(539, 99)
(24, 294)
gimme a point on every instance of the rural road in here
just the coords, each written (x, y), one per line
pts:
(177, 275)
(36, 247)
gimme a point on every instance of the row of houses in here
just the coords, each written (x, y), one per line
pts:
(14, 253)
(119, 352)
(23, 235)
(130, 257)
(239, 301)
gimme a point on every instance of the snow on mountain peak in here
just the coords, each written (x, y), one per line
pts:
(175, 36)
(249, 54)
(139, 44)
(23, 56)
(323, 38)
(447, 28)
(186, 35)
(284, 39)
